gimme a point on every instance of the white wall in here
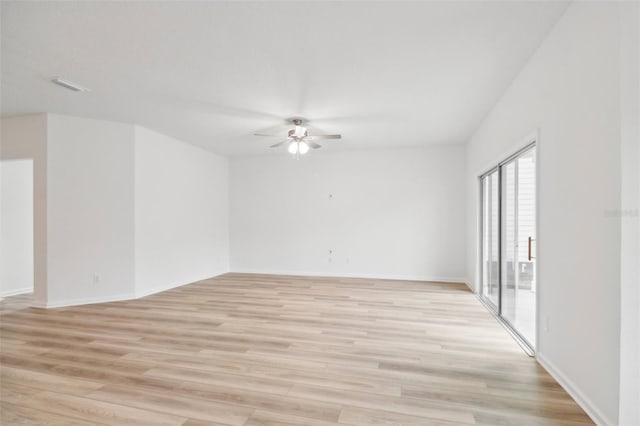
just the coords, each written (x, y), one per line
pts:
(630, 216)
(570, 92)
(90, 210)
(388, 213)
(102, 231)
(16, 227)
(181, 213)
(24, 138)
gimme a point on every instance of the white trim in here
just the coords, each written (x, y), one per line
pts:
(113, 298)
(468, 283)
(82, 301)
(353, 275)
(159, 289)
(15, 292)
(538, 280)
(140, 294)
(583, 401)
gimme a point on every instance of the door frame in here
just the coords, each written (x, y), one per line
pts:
(495, 308)
(532, 140)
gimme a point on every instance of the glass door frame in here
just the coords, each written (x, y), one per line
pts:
(497, 309)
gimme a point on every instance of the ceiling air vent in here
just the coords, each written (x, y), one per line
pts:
(69, 85)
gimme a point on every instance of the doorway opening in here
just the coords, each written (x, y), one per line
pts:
(16, 227)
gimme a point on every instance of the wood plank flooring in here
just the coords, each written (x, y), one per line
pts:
(244, 349)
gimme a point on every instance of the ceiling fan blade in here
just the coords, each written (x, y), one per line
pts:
(313, 144)
(277, 144)
(264, 134)
(327, 137)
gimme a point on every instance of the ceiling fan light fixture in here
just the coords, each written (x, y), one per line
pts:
(293, 147)
(303, 148)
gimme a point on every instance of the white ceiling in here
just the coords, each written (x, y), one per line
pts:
(384, 74)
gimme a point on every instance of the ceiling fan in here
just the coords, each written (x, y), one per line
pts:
(299, 140)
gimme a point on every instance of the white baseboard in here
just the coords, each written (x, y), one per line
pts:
(353, 275)
(583, 401)
(148, 292)
(16, 292)
(111, 298)
(158, 289)
(466, 281)
(82, 301)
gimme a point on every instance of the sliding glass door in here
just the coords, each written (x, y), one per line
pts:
(508, 195)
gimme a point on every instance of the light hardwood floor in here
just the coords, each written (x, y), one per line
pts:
(245, 349)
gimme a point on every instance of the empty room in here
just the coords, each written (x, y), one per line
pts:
(320, 213)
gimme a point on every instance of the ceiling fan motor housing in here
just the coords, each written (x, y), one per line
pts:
(298, 133)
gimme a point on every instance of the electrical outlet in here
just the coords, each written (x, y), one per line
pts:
(96, 278)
